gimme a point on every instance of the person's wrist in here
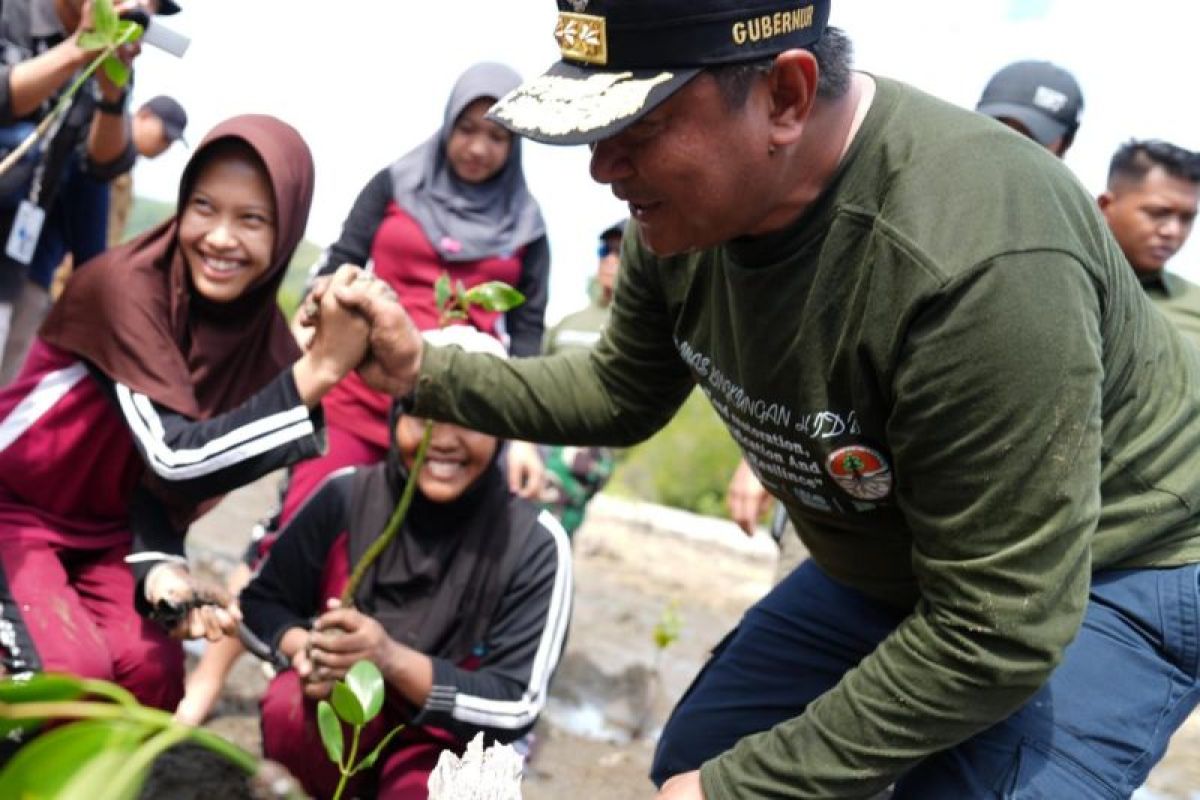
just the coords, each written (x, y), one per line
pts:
(112, 101)
(314, 378)
(394, 658)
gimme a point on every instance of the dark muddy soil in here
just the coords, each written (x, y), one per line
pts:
(587, 745)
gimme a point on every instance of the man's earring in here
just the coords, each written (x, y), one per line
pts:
(770, 149)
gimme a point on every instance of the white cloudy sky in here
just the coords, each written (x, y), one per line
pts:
(365, 80)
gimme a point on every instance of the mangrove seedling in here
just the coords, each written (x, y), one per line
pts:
(666, 633)
(453, 303)
(355, 701)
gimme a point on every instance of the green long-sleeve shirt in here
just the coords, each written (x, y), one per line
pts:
(949, 375)
(1177, 299)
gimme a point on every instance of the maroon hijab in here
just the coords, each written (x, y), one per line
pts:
(132, 312)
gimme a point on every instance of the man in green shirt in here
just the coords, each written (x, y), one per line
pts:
(1150, 204)
(929, 347)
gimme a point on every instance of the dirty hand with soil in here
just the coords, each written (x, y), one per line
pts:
(393, 358)
(340, 638)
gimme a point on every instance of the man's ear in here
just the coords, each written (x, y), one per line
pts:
(792, 88)
(1105, 200)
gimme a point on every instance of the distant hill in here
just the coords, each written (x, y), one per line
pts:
(147, 213)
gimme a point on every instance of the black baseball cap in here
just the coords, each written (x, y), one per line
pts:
(174, 118)
(1044, 98)
(616, 229)
(621, 58)
(167, 7)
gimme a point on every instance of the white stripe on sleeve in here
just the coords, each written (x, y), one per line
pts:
(512, 714)
(49, 390)
(255, 438)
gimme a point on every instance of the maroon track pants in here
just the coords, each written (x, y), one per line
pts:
(70, 610)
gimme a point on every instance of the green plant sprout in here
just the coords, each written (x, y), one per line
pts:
(104, 753)
(356, 700)
(453, 303)
(666, 633)
(109, 33)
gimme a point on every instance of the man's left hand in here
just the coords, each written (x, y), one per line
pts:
(685, 786)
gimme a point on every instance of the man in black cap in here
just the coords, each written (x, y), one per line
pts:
(157, 124)
(932, 353)
(1037, 99)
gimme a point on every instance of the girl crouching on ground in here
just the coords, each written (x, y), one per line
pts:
(164, 377)
(465, 614)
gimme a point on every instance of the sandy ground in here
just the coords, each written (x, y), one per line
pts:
(628, 568)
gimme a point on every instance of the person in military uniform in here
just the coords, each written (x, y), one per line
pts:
(932, 352)
(1150, 204)
(574, 475)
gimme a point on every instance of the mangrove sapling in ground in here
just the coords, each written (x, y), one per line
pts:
(666, 633)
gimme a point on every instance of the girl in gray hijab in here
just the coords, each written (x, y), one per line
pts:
(456, 203)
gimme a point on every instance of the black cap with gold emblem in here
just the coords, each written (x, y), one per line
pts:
(621, 58)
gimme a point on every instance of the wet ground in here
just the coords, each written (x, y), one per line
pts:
(608, 700)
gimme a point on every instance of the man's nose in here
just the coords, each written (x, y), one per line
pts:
(610, 161)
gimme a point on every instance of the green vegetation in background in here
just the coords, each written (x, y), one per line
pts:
(148, 213)
(687, 464)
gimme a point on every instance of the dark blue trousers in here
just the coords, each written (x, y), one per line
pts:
(1127, 682)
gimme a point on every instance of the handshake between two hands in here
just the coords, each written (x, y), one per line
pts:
(354, 321)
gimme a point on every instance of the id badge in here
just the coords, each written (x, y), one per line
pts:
(26, 230)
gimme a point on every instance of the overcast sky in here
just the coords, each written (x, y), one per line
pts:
(366, 80)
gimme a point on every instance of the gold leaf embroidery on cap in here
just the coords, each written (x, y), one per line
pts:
(582, 37)
(555, 105)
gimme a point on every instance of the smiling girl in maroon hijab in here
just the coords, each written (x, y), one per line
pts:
(164, 377)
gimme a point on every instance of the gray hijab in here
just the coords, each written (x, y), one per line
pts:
(465, 221)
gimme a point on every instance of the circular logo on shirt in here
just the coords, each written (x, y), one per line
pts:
(861, 472)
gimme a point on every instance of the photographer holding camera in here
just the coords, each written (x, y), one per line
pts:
(55, 200)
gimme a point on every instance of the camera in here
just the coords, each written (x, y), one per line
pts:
(156, 34)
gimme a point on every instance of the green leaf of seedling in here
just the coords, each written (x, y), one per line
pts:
(116, 70)
(666, 632)
(460, 292)
(104, 20)
(74, 762)
(91, 40)
(129, 31)
(331, 732)
(346, 704)
(365, 680)
(495, 296)
(370, 759)
(441, 291)
(41, 688)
